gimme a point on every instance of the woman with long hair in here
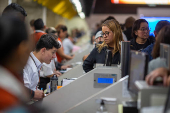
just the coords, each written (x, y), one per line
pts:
(112, 35)
(162, 37)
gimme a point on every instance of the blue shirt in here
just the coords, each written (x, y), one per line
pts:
(148, 50)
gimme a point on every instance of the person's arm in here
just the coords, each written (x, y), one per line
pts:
(27, 76)
(58, 66)
(55, 73)
(168, 81)
(61, 53)
(89, 61)
(65, 66)
(159, 72)
(31, 92)
(48, 70)
(84, 57)
(70, 45)
(38, 94)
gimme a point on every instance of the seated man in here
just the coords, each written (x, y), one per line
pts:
(44, 52)
(46, 72)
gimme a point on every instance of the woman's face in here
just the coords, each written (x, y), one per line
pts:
(107, 35)
(143, 31)
(63, 34)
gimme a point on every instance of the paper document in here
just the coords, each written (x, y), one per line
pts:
(67, 81)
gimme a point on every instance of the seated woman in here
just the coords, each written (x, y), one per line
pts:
(162, 37)
(140, 33)
(62, 32)
(112, 35)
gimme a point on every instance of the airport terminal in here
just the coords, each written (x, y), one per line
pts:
(85, 56)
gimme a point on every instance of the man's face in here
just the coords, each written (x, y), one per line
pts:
(99, 39)
(48, 55)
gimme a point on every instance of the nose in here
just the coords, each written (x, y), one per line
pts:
(146, 30)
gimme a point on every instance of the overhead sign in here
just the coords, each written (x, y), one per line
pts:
(159, 2)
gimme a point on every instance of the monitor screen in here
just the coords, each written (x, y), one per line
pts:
(105, 80)
(153, 21)
(138, 69)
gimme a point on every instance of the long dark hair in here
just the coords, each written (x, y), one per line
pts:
(162, 37)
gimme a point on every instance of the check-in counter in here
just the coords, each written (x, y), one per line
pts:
(82, 88)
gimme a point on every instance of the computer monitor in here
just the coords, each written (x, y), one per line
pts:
(125, 57)
(167, 103)
(137, 69)
(165, 53)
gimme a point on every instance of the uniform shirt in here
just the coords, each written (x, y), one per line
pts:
(59, 58)
(37, 35)
(68, 46)
(47, 69)
(31, 72)
(12, 90)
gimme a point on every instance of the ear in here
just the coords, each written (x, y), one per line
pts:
(44, 26)
(43, 50)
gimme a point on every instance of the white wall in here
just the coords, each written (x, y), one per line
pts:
(77, 22)
(153, 12)
(3, 4)
(35, 11)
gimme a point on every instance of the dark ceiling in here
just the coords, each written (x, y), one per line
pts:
(87, 6)
(106, 7)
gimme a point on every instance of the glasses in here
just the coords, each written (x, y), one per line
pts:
(145, 29)
(105, 34)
